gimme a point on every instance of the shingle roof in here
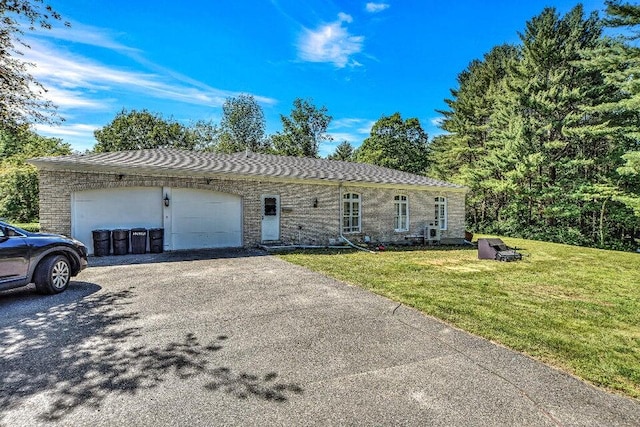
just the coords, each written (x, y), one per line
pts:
(172, 162)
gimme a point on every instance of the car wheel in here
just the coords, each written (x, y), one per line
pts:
(53, 275)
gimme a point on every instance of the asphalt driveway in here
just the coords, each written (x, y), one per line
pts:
(219, 338)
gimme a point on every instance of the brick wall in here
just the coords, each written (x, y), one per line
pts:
(300, 221)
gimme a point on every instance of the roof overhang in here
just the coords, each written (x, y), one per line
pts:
(167, 171)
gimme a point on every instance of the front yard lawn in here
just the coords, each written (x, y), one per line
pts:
(571, 307)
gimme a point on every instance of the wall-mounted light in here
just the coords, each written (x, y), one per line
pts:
(166, 200)
(315, 202)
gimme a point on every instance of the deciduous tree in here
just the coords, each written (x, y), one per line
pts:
(242, 126)
(21, 95)
(302, 132)
(134, 130)
(19, 180)
(396, 143)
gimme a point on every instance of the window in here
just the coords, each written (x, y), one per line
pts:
(402, 213)
(441, 212)
(270, 206)
(351, 213)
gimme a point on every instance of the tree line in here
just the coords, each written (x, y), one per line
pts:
(545, 133)
(393, 142)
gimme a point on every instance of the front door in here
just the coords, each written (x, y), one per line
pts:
(270, 217)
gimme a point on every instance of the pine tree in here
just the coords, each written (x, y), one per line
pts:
(344, 151)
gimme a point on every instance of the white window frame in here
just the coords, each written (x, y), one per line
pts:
(441, 213)
(399, 201)
(350, 199)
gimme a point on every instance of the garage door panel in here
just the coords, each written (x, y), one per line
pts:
(205, 219)
(115, 208)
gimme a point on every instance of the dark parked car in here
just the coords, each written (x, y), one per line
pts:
(48, 260)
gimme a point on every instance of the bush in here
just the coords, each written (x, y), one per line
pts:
(19, 193)
(34, 227)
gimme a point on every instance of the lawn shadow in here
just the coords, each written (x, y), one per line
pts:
(78, 348)
(375, 249)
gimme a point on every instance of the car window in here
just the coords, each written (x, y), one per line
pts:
(2, 232)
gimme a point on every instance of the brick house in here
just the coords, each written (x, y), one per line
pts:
(207, 200)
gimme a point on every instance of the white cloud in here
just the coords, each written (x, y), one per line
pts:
(330, 43)
(79, 135)
(344, 17)
(355, 125)
(76, 129)
(89, 35)
(436, 121)
(85, 89)
(78, 82)
(376, 7)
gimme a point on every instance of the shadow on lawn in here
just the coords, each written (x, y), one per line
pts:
(73, 347)
(374, 248)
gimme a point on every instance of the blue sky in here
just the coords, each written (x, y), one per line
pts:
(360, 59)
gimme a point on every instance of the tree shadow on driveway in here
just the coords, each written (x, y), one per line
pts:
(78, 348)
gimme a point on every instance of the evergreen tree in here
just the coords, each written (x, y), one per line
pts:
(344, 151)
(530, 133)
(467, 154)
(619, 62)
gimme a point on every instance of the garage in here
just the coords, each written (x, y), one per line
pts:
(193, 219)
(202, 219)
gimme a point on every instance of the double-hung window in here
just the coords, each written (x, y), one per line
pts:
(351, 213)
(401, 222)
(441, 212)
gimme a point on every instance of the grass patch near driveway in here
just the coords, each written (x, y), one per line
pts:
(571, 307)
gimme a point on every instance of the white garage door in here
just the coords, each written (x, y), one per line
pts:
(205, 219)
(114, 208)
(194, 219)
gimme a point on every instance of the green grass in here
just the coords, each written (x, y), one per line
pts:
(575, 308)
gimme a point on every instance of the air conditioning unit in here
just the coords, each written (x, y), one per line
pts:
(432, 232)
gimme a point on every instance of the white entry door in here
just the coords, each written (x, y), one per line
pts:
(270, 217)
